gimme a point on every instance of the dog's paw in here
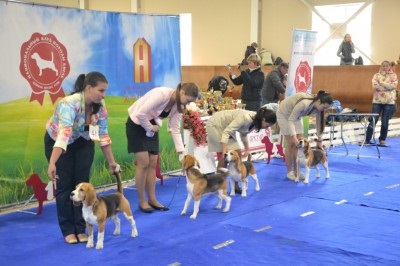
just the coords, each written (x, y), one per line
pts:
(99, 246)
(257, 188)
(89, 244)
(305, 181)
(328, 176)
(193, 216)
(134, 233)
(116, 232)
(244, 195)
(183, 212)
(225, 210)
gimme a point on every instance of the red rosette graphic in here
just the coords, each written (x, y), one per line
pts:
(44, 64)
(302, 80)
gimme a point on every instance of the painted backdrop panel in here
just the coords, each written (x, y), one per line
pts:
(43, 50)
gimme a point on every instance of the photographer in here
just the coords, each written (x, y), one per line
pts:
(252, 80)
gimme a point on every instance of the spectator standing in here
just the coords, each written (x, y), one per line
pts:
(275, 84)
(384, 84)
(252, 80)
(251, 49)
(345, 51)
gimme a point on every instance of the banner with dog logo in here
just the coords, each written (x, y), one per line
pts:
(301, 64)
(43, 51)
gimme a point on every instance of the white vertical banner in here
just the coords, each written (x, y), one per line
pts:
(301, 66)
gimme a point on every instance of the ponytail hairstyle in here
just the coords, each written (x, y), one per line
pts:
(263, 113)
(92, 79)
(190, 89)
(323, 97)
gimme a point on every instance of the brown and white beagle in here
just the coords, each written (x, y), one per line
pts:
(310, 157)
(198, 184)
(96, 210)
(239, 171)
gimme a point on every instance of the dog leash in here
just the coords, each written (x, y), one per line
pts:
(176, 188)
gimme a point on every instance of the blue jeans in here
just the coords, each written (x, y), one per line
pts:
(386, 112)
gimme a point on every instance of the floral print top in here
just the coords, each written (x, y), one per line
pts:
(384, 86)
(67, 123)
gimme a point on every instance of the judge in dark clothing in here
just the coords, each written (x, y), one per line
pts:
(252, 80)
(345, 51)
(275, 84)
(251, 49)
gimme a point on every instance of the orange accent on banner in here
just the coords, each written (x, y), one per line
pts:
(142, 61)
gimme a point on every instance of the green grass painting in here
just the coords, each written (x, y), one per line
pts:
(22, 153)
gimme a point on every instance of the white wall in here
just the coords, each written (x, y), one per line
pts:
(221, 28)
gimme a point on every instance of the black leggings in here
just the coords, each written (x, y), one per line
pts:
(73, 167)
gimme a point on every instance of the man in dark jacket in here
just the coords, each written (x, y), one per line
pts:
(275, 84)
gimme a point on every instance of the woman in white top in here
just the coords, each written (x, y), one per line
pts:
(223, 125)
(290, 120)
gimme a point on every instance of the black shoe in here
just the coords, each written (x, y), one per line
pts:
(146, 210)
(238, 190)
(369, 142)
(382, 143)
(162, 208)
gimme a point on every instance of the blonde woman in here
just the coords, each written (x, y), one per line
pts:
(252, 80)
(345, 51)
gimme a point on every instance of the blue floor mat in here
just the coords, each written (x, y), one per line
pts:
(350, 219)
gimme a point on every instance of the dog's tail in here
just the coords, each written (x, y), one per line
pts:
(223, 171)
(117, 173)
(319, 147)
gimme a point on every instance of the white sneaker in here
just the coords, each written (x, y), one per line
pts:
(291, 176)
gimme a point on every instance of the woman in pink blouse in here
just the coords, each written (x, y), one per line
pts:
(142, 127)
(78, 121)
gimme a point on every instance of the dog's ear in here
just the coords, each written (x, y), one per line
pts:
(187, 162)
(90, 194)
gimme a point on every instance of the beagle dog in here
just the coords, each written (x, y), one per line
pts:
(310, 157)
(239, 171)
(96, 210)
(198, 184)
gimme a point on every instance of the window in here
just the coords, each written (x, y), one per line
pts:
(334, 25)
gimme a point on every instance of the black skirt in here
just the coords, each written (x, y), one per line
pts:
(137, 139)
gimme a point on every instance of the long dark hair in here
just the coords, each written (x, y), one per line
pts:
(323, 97)
(263, 113)
(92, 79)
(190, 89)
